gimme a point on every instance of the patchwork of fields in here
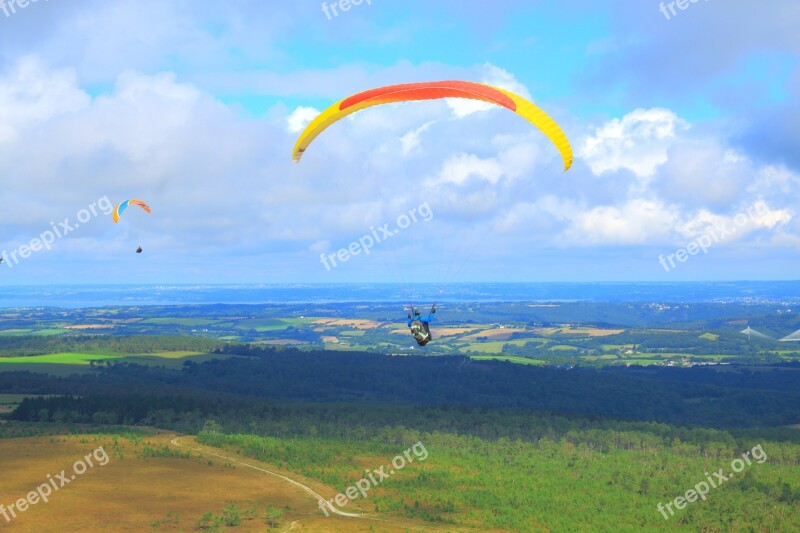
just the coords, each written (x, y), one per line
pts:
(455, 331)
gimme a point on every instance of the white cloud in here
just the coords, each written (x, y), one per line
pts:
(635, 222)
(762, 216)
(774, 179)
(458, 170)
(300, 118)
(542, 216)
(411, 140)
(755, 216)
(703, 172)
(30, 95)
(647, 221)
(639, 142)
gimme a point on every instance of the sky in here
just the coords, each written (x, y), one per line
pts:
(684, 123)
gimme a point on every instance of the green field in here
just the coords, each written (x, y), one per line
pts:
(16, 331)
(711, 357)
(643, 362)
(67, 363)
(563, 348)
(50, 331)
(273, 324)
(509, 358)
(58, 358)
(617, 346)
(181, 321)
(496, 347)
(606, 357)
(171, 355)
(45, 332)
(484, 347)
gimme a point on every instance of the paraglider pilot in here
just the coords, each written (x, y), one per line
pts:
(419, 326)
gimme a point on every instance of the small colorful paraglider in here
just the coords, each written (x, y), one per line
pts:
(123, 206)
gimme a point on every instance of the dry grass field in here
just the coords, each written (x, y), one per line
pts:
(497, 334)
(133, 492)
(440, 332)
(349, 322)
(450, 332)
(591, 332)
(281, 342)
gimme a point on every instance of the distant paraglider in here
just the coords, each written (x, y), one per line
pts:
(123, 206)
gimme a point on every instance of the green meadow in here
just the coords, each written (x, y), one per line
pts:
(272, 324)
(67, 358)
(509, 359)
(69, 362)
(180, 321)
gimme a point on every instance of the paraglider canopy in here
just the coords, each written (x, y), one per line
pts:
(124, 205)
(430, 91)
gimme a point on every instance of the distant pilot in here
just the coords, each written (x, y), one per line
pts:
(139, 250)
(419, 326)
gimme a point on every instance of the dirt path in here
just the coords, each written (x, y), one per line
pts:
(408, 526)
(296, 483)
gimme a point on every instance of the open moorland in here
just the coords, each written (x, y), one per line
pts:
(161, 482)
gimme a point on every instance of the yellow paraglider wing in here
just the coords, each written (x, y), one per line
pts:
(434, 90)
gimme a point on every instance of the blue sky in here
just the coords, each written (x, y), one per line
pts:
(679, 125)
